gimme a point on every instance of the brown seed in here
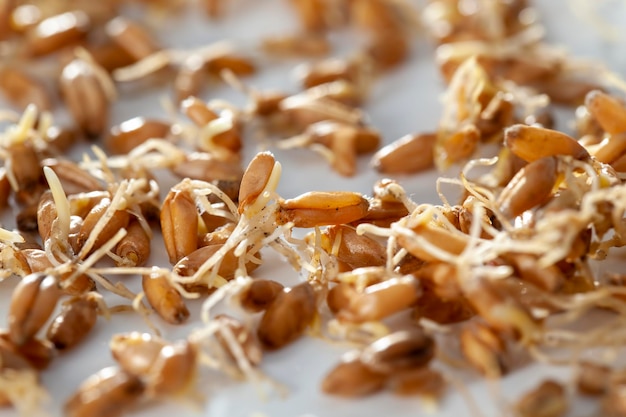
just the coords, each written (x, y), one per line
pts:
(330, 70)
(134, 248)
(530, 187)
(259, 295)
(441, 310)
(388, 50)
(164, 298)
(99, 13)
(399, 351)
(26, 219)
(343, 148)
(339, 297)
(499, 113)
(345, 141)
(619, 164)
(225, 173)
(131, 37)
(381, 300)
(85, 96)
(383, 213)
(410, 153)
(267, 103)
(549, 278)
(441, 278)
(608, 111)
(592, 378)
(531, 143)
(534, 72)
(38, 261)
(238, 65)
(323, 208)
(46, 214)
(190, 78)
(354, 250)
(21, 89)
(298, 45)
(197, 111)
(378, 16)
(74, 322)
(352, 378)
(119, 220)
(5, 189)
(255, 178)
(131, 133)
(7, 9)
(59, 140)
(484, 349)
(547, 400)
(327, 132)
(425, 382)
(56, 32)
(11, 358)
(311, 14)
(367, 140)
(173, 370)
(613, 403)
(24, 163)
(610, 148)
(38, 352)
(213, 8)
(136, 352)
(286, 319)
(456, 146)
(500, 310)
(107, 393)
(32, 302)
(179, 224)
(189, 265)
(110, 56)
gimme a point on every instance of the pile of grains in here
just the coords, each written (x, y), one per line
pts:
(144, 218)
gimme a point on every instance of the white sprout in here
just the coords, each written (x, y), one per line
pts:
(60, 201)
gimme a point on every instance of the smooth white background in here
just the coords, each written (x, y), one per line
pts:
(404, 101)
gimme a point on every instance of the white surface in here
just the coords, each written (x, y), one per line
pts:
(404, 101)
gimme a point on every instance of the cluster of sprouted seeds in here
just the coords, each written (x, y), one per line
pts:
(503, 272)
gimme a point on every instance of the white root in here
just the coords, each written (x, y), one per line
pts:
(10, 236)
(20, 132)
(163, 58)
(61, 203)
